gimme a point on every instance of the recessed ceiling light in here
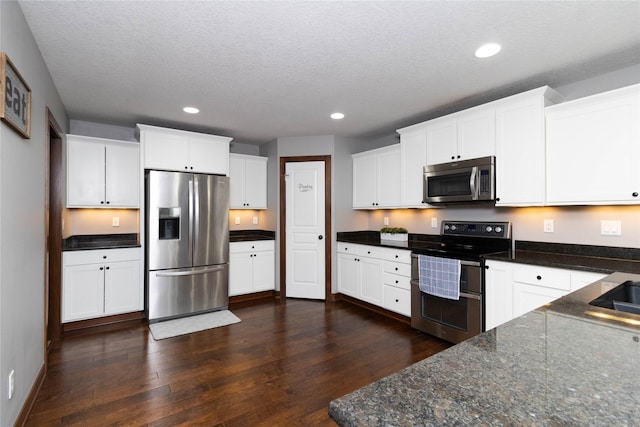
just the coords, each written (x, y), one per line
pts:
(191, 110)
(488, 50)
(337, 116)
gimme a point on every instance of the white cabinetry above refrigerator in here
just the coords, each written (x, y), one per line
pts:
(183, 151)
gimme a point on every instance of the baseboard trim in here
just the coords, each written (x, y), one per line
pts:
(376, 309)
(31, 398)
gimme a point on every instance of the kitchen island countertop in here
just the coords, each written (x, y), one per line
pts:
(568, 363)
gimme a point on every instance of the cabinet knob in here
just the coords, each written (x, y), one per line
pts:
(396, 256)
(108, 202)
(101, 268)
(539, 277)
(396, 281)
(634, 194)
(397, 300)
(107, 267)
(186, 167)
(102, 202)
(104, 257)
(191, 168)
(497, 199)
(396, 268)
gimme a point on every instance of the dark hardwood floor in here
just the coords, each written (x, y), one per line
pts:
(280, 366)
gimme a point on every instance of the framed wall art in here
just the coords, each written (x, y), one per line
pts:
(15, 108)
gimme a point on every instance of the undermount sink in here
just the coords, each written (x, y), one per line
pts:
(624, 297)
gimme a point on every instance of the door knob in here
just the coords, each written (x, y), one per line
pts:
(320, 237)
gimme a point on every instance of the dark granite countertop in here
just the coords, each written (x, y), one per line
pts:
(100, 241)
(415, 242)
(250, 235)
(600, 259)
(566, 364)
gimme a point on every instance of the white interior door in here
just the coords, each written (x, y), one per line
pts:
(305, 231)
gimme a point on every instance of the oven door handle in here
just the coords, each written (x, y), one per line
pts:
(462, 262)
(470, 296)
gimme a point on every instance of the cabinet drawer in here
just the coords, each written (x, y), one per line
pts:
(370, 251)
(397, 300)
(397, 268)
(100, 256)
(347, 248)
(397, 255)
(251, 246)
(397, 281)
(543, 276)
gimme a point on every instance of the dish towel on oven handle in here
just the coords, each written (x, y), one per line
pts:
(439, 276)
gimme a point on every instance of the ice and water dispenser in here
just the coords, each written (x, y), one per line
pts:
(169, 223)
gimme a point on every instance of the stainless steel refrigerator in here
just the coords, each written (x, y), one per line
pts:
(187, 244)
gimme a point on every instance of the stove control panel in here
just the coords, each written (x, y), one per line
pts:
(501, 230)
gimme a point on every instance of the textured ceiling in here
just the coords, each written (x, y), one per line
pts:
(261, 70)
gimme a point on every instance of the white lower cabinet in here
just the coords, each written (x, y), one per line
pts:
(377, 275)
(498, 294)
(98, 283)
(251, 267)
(513, 289)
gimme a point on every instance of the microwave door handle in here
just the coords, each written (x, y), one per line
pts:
(472, 183)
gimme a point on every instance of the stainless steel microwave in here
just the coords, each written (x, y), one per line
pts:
(462, 181)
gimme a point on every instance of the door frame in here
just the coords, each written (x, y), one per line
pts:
(327, 222)
(53, 224)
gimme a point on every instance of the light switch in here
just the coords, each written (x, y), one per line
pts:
(237, 221)
(115, 221)
(385, 220)
(548, 226)
(434, 222)
(255, 220)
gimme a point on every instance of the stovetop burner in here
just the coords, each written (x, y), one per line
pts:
(469, 240)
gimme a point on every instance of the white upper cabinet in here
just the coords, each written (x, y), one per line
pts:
(593, 149)
(461, 136)
(376, 178)
(102, 173)
(248, 182)
(520, 136)
(183, 151)
(413, 158)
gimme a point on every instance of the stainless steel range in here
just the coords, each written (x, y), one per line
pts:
(451, 319)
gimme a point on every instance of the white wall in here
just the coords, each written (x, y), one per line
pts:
(22, 218)
(576, 225)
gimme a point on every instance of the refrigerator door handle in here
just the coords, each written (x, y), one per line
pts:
(196, 212)
(191, 209)
(189, 272)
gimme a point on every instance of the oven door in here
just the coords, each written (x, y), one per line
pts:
(451, 320)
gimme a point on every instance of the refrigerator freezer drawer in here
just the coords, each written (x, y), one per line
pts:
(186, 291)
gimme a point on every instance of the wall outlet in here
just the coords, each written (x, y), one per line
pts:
(255, 220)
(115, 221)
(610, 228)
(237, 221)
(385, 220)
(12, 382)
(434, 222)
(548, 226)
